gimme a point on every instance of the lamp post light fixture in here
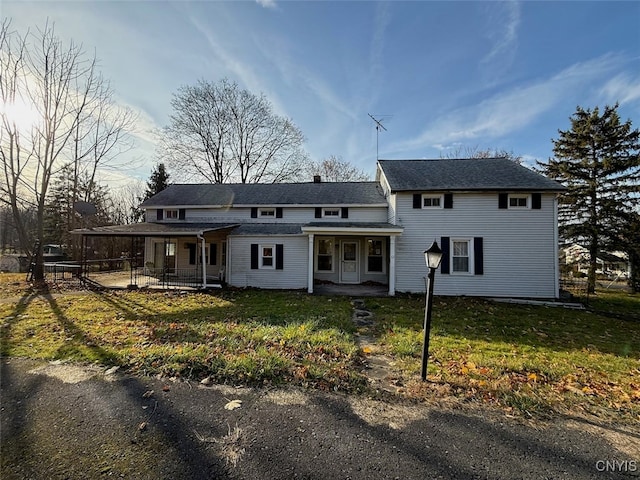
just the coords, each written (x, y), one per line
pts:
(432, 257)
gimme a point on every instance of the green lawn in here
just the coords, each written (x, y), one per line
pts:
(522, 359)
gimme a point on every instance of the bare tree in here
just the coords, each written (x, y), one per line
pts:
(462, 151)
(335, 169)
(70, 120)
(220, 133)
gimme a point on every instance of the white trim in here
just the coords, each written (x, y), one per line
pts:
(392, 266)
(470, 246)
(556, 245)
(526, 196)
(316, 249)
(382, 255)
(440, 198)
(310, 265)
(384, 231)
(357, 261)
(165, 214)
(261, 257)
(262, 212)
(332, 209)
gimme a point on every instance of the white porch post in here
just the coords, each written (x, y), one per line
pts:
(392, 265)
(310, 273)
(204, 263)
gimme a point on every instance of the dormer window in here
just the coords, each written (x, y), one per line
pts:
(171, 214)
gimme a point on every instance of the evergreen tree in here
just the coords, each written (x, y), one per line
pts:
(158, 181)
(598, 161)
(60, 213)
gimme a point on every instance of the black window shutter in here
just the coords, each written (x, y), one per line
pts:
(192, 253)
(417, 200)
(181, 214)
(254, 212)
(444, 246)
(279, 256)
(448, 200)
(159, 214)
(503, 199)
(345, 212)
(254, 256)
(536, 201)
(478, 256)
(318, 212)
(213, 254)
(279, 212)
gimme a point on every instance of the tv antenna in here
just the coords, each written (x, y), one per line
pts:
(379, 125)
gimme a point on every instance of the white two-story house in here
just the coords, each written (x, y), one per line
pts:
(495, 221)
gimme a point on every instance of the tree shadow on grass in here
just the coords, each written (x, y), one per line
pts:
(554, 328)
(35, 420)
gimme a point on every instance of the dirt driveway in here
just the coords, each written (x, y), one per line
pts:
(73, 422)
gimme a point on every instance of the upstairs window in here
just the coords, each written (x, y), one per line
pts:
(518, 201)
(432, 201)
(268, 212)
(330, 213)
(171, 214)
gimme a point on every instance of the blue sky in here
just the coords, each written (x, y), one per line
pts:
(441, 75)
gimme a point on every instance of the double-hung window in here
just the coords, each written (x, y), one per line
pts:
(460, 256)
(267, 212)
(171, 214)
(267, 255)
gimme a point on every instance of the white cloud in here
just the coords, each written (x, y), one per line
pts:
(503, 32)
(622, 88)
(267, 3)
(512, 110)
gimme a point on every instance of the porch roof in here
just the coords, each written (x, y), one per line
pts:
(154, 229)
(352, 228)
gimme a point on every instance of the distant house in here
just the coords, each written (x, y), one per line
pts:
(496, 222)
(611, 264)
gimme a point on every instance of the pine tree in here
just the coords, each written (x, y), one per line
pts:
(598, 161)
(158, 181)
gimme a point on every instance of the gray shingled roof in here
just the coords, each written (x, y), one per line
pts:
(325, 193)
(464, 174)
(149, 229)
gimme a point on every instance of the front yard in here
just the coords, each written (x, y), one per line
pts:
(525, 360)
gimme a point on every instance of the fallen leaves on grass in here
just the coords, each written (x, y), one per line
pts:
(233, 404)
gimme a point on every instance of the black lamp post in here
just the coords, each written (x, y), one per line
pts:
(433, 257)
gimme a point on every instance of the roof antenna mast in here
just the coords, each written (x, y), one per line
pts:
(379, 126)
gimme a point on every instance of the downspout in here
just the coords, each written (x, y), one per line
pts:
(204, 263)
(556, 243)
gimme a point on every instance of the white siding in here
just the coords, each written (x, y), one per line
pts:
(295, 265)
(519, 246)
(289, 215)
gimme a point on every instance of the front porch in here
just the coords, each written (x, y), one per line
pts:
(342, 256)
(175, 256)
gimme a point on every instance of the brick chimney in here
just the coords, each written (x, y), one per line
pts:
(317, 179)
